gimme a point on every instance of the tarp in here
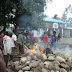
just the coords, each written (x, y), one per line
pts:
(47, 19)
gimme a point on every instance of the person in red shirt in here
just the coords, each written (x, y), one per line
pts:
(45, 40)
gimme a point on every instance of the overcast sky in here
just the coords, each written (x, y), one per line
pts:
(57, 7)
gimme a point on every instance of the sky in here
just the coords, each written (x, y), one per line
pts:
(56, 7)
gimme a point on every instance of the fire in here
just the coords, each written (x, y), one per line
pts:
(42, 50)
(33, 51)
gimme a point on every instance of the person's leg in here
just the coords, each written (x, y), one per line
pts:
(12, 52)
(21, 50)
(44, 46)
(6, 59)
(54, 45)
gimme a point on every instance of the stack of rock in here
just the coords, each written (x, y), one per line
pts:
(43, 63)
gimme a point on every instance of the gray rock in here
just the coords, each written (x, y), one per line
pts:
(56, 62)
(70, 65)
(65, 66)
(62, 70)
(23, 60)
(34, 58)
(66, 56)
(41, 64)
(70, 71)
(60, 59)
(18, 67)
(44, 70)
(46, 64)
(37, 69)
(52, 71)
(29, 58)
(27, 63)
(34, 64)
(54, 67)
(57, 71)
(16, 63)
(20, 71)
(26, 71)
(49, 51)
(30, 71)
(51, 58)
(44, 57)
(26, 68)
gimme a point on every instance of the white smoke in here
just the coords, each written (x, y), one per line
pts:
(65, 49)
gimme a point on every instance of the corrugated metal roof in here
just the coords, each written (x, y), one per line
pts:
(47, 19)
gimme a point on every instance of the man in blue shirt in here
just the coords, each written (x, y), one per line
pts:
(53, 40)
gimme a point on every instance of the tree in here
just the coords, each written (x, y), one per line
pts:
(67, 16)
(6, 14)
(56, 17)
(35, 19)
(21, 7)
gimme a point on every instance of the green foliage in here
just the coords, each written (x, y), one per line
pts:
(32, 8)
(37, 21)
(67, 16)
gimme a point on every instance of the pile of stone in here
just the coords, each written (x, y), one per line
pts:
(43, 63)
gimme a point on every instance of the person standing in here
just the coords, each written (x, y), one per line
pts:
(14, 42)
(58, 38)
(20, 41)
(45, 40)
(7, 47)
(12, 45)
(53, 40)
(14, 37)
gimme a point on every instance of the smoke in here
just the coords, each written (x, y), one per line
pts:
(60, 48)
(24, 21)
(65, 49)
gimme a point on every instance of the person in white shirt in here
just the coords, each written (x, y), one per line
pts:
(14, 37)
(7, 47)
(14, 43)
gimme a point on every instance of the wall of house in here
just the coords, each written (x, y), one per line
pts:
(38, 33)
(66, 33)
(71, 33)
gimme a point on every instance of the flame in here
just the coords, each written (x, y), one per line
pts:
(42, 50)
(33, 51)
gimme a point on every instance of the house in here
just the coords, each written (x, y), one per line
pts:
(67, 32)
(53, 24)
